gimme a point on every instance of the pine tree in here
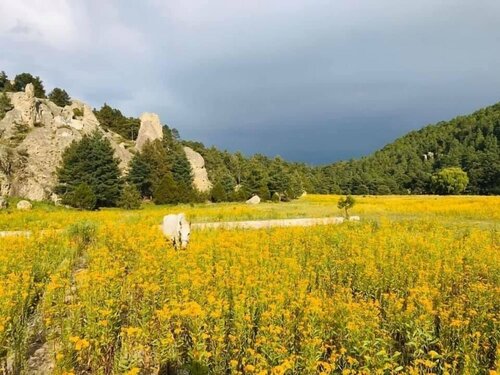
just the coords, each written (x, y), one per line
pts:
(4, 82)
(167, 191)
(5, 105)
(21, 80)
(60, 97)
(218, 193)
(148, 167)
(91, 161)
(112, 119)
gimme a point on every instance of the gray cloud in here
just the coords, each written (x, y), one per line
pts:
(310, 80)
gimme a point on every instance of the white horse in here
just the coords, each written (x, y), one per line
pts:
(177, 229)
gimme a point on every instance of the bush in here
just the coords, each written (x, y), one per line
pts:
(77, 112)
(83, 233)
(5, 105)
(130, 198)
(81, 197)
(451, 180)
(218, 193)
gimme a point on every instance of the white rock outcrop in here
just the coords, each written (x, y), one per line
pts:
(254, 200)
(200, 176)
(24, 205)
(33, 136)
(150, 129)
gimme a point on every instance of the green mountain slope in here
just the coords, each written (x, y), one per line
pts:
(471, 142)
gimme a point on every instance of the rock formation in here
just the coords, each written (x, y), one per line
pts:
(24, 205)
(35, 133)
(33, 136)
(200, 176)
(150, 129)
(254, 200)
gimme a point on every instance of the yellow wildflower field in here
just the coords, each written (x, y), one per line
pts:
(414, 288)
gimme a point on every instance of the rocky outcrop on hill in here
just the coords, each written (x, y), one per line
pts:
(33, 136)
(150, 130)
(35, 133)
(200, 176)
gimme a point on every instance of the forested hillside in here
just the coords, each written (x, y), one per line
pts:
(421, 162)
(407, 165)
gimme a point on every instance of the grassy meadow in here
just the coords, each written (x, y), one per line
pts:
(414, 288)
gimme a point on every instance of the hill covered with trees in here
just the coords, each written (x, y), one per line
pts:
(451, 157)
(408, 164)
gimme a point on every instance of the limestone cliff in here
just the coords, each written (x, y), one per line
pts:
(200, 176)
(150, 130)
(35, 133)
(33, 136)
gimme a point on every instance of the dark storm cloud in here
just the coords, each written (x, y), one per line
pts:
(309, 80)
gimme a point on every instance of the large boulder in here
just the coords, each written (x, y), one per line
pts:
(150, 130)
(200, 176)
(254, 200)
(24, 205)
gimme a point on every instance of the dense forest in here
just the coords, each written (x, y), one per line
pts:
(458, 156)
(405, 166)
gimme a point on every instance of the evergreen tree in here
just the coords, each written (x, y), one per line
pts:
(21, 80)
(218, 193)
(60, 97)
(130, 198)
(148, 167)
(181, 168)
(167, 191)
(4, 82)
(279, 180)
(91, 161)
(112, 119)
(140, 175)
(5, 105)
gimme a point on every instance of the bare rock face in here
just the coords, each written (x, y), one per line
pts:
(200, 180)
(24, 205)
(254, 200)
(3, 203)
(33, 137)
(150, 129)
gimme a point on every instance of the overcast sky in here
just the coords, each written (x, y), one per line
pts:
(309, 80)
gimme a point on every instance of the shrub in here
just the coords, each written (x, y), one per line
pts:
(130, 198)
(81, 197)
(346, 203)
(5, 105)
(218, 193)
(77, 112)
(83, 233)
(451, 180)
